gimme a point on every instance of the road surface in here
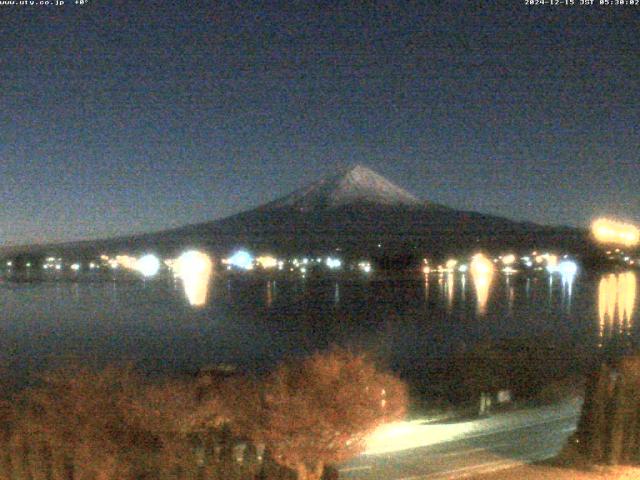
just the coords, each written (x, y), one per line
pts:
(417, 451)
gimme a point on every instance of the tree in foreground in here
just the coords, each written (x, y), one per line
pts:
(609, 429)
(318, 411)
(78, 424)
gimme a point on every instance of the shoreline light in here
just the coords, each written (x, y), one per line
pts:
(194, 268)
(241, 259)
(450, 265)
(365, 267)
(609, 231)
(509, 259)
(148, 265)
(567, 268)
(333, 263)
(482, 270)
(267, 261)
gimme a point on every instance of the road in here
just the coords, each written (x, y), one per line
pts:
(417, 451)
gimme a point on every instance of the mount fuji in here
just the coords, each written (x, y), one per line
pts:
(356, 185)
(355, 211)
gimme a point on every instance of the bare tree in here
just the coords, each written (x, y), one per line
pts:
(318, 411)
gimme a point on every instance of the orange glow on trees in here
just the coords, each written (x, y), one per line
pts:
(320, 411)
(112, 424)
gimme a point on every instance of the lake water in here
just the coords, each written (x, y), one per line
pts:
(254, 323)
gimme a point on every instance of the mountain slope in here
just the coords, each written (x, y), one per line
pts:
(354, 210)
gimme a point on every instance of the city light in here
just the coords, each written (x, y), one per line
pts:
(451, 264)
(194, 268)
(125, 261)
(609, 231)
(333, 263)
(241, 259)
(552, 260)
(481, 265)
(509, 259)
(482, 271)
(148, 265)
(75, 267)
(365, 267)
(267, 261)
(567, 268)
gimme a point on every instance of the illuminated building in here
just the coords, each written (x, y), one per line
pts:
(609, 231)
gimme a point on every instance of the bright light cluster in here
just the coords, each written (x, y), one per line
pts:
(509, 259)
(482, 271)
(194, 268)
(365, 267)
(240, 259)
(567, 268)
(612, 232)
(126, 261)
(267, 262)
(148, 265)
(333, 263)
(481, 265)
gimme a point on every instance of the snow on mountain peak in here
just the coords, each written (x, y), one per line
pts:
(357, 184)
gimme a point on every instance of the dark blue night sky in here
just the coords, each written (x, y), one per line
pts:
(119, 117)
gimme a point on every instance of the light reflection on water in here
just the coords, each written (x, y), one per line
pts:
(463, 287)
(449, 287)
(254, 322)
(510, 292)
(616, 304)
(194, 269)
(482, 271)
(270, 288)
(426, 288)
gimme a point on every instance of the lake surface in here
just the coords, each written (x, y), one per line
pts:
(254, 323)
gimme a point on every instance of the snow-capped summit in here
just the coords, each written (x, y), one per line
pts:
(353, 185)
